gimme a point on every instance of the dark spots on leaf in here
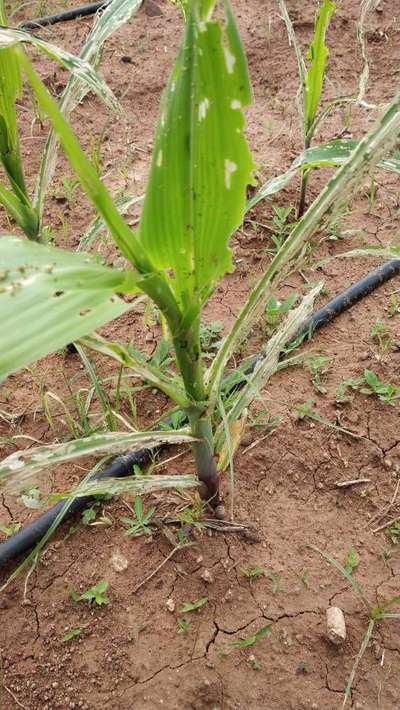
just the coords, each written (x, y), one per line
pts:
(57, 294)
(85, 311)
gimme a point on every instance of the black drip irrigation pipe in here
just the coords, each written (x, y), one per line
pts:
(73, 14)
(30, 535)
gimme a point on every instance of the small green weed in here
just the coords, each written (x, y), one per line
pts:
(393, 532)
(140, 526)
(276, 582)
(183, 625)
(375, 613)
(250, 640)
(192, 606)
(210, 333)
(252, 572)
(71, 634)
(369, 384)
(394, 306)
(281, 226)
(31, 498)
(93, 595)
(384, 336)
(276, 310)
(318, 366)
(352, 560)
(192, 514)
(10, 529)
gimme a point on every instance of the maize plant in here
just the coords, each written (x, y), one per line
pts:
(195, 199)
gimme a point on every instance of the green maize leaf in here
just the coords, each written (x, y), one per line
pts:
(22, 464)
(10, 90)
(49, 297)
(23, 214)
(79, 67)
(115, 15)
(332, 154)
(318, 55)
(201, 162)
(85, 171)
(336, 152)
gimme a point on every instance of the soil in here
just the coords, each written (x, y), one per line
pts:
(130, 653)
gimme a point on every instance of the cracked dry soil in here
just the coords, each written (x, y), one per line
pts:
(129, 655)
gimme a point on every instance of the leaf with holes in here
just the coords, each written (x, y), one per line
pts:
(68, 294)
(201, 165)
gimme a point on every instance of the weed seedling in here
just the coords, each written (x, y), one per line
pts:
(394, 306)
(351, 561)
(384, 336)
(140, 526)
(10, 529)
(71, 634)
(318, 366)
(251, 640)
(253, 572)
(183, 625)
(281, 226)
(276, 582)
(393, 532)
(276, 310)
(193, 606)
(93, 595)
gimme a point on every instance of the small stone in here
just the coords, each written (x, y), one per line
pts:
(149, 337)
(207, 576)
(118, 561)
(335, 625)
(246, 440)
(388, 463)
(170, 604)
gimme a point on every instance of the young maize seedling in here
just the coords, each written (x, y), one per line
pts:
(311, 80)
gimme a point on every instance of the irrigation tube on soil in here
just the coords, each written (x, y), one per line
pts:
(29, 536)
(72, 14)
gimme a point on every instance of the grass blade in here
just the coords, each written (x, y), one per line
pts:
(98, 225)
(101, 394)
(359, 656)
(96, 191)
(332, 154)
(145, 370)
(343, 571)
